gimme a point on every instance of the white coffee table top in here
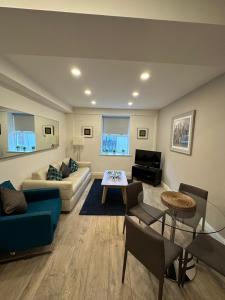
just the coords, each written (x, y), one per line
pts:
(109, 181)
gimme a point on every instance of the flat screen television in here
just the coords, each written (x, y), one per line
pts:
(148, 158)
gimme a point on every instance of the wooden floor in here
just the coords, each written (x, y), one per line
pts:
(87, 263)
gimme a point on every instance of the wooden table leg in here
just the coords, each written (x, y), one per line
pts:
(105, 189)
(124, 193)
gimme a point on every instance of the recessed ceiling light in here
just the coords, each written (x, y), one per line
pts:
(76, 72)
(130, 103)
(135, 94)
(145, 76)
(87, 92)
(93, 102)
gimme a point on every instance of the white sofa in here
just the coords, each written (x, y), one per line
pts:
(70, 188)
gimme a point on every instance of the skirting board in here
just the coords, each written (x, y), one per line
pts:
(208, 227)
(27, 254)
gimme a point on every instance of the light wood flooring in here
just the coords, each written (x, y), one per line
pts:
(86, 264)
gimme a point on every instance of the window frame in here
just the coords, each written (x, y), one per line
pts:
(128, 134)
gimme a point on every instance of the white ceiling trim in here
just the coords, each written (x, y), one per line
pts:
(197, 11)
(15, 80)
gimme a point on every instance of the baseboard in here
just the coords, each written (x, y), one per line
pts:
(165, 186)
(217, 236)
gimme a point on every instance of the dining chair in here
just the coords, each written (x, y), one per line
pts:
(135, 206)
(200, 196)
(208, 250)
(155, 252)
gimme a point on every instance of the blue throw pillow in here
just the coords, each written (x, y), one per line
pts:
(54, 174)
(7, 185)
(73, 165)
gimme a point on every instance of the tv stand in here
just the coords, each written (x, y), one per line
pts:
(147, 174)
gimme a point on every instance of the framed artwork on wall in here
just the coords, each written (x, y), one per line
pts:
(87, 131)
(142, 133)
(182, 132)
(48, 130)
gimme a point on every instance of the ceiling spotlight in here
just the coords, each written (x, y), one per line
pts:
(87, 92)
(93, 102)
(145, 76)
(135, 94)
(76, 72)
(130, 103)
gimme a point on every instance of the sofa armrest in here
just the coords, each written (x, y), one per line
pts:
(20, 232)
(84, 164)
(41, 194)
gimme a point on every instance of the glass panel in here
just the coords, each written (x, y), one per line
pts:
(22, 133)
(115, 144)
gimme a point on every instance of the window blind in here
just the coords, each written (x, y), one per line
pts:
(115, 125)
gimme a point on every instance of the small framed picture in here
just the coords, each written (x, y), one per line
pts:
(142, 133)
(48, 130)
(87, 131)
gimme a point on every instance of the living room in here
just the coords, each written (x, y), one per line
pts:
(101, 95)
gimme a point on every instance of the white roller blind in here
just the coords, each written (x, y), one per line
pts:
(115, 125)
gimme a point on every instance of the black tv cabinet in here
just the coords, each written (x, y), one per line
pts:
(147, 174)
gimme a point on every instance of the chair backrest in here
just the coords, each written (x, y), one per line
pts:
(134, 194)
(198, 194)
(147, 246)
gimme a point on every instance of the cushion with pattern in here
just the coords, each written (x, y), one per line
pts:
(73, 165)
(54, 174)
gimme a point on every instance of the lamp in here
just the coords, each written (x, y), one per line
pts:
(78, 141)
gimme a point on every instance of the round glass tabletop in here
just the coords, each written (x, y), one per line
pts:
(204, 218)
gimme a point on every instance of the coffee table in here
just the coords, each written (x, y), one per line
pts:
(109, 182)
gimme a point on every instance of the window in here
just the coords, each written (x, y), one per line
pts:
(115, 135)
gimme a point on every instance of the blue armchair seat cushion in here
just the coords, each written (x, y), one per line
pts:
(52, 205)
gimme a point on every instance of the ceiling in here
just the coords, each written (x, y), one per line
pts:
(111, 52)
(112, 82)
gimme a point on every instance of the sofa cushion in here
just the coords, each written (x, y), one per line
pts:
(73, 165)
(13, 202)
(52, 205)
(7, 185)
(65, 170)
(54, 174)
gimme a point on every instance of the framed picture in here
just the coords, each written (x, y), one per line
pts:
(48, 130)
(142, 133)
(87, 131)
(182, 133)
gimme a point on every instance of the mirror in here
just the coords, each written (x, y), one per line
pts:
(22, 133)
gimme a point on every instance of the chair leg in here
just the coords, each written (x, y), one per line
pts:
(163, 224)
(184, 267)
(124, 225)
(180, 268)
(160, 294)
(194, 234)
(124, 264)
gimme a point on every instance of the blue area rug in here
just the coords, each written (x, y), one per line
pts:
(113, 205)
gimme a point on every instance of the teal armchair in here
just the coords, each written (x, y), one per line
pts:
(34, 228)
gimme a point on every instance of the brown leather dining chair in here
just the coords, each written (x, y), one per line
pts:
(155, 252)
(136, 207)
(208, 250)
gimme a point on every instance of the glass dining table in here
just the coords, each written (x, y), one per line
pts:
(186, 216)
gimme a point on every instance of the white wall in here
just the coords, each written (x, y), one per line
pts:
(205, 167)
(18, 168)
(91, 149)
